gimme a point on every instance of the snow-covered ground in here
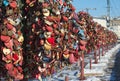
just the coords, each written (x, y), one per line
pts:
(95, 74)
(108, 59)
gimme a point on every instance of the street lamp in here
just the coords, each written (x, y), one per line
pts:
(87, 9)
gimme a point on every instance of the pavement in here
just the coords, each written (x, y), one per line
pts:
(113, 69)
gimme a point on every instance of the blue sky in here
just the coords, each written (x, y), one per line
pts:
(100, 5)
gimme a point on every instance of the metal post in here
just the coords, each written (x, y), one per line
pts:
(82, 67)
(99, 52)
(102, 50)
(95, 56)
(108, 13)
(66, 78)
(90, 63)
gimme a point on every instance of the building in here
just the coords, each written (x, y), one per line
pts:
(115, 26)
(115, 22)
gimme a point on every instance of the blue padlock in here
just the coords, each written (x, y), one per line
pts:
(5, 2)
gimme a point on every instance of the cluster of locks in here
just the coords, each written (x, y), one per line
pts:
(11, 38)
(45, 35)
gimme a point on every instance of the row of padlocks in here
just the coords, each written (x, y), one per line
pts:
(38, 37)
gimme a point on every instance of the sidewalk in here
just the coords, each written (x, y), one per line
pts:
(99, 72)
(107, 66)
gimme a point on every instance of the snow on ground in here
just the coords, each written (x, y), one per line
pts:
(73, 71)
(107, 75)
